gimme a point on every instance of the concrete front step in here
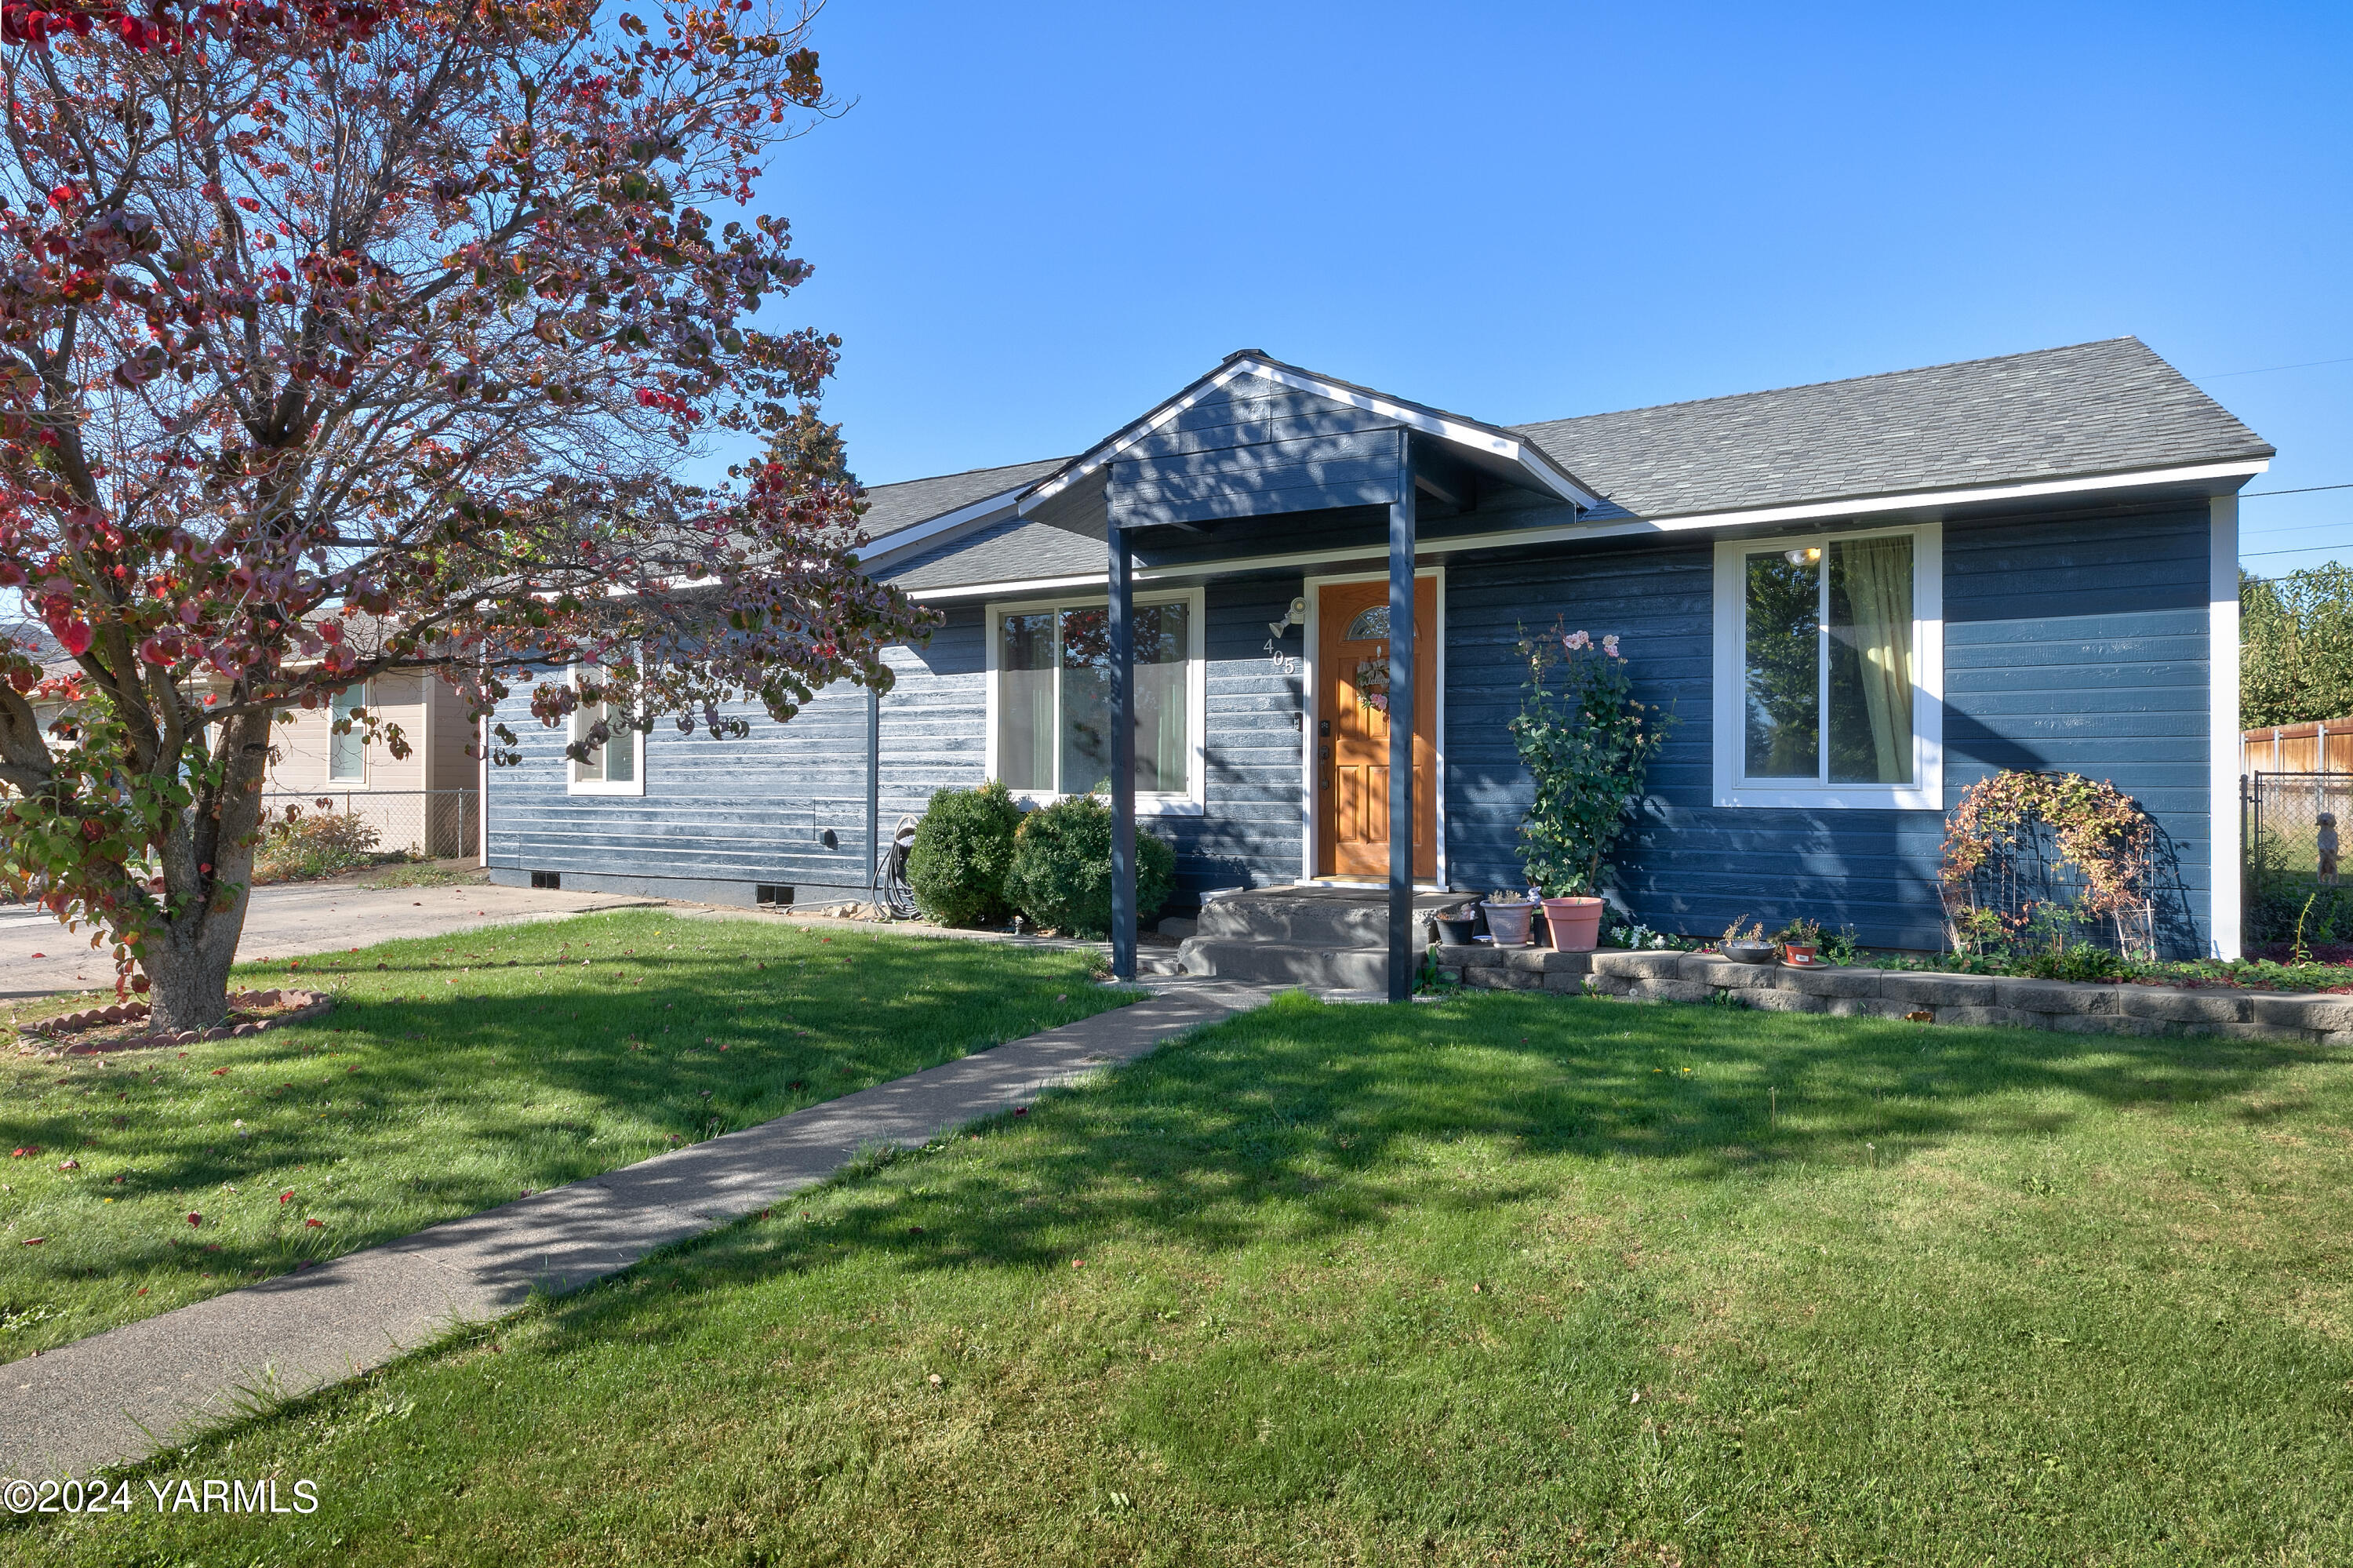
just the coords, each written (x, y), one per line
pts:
(1260, 962)
(1340, 917)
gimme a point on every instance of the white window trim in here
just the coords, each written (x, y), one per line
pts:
(1927, 793)
(1194, 802)
(1309, 707)
(359, 699)
(635, 785)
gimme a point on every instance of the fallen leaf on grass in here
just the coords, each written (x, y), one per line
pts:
(35, 1241)
(195, 1219)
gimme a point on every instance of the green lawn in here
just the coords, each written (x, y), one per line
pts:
(1507, 1279)
(455, 1074)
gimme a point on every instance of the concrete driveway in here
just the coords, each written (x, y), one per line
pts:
(40, 956)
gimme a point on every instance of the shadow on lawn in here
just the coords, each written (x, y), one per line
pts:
(1305, 1120)
(796, 1036)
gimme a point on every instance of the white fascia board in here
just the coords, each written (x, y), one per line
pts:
(1534, 464)
(1511, 449)
(1026, 585)
(1919, 500)
(900, 540)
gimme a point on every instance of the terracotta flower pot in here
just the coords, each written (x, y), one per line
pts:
(1798, 952)
(1508, 923)
(1575, 924)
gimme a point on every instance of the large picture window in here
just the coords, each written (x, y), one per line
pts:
(1050, 731)
(1828, 658)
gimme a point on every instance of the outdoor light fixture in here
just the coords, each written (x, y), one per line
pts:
(1297, 616)
(1805, 557)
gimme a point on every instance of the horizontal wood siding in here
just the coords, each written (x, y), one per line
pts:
(2079, 645)
(1311, 474)
(1255, 448)
(749, 811)
(742, 810)
(935, 721)
(2070, 644)
(1249, 837)
(2076, 644)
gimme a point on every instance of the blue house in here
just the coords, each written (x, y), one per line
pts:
(1857, 598)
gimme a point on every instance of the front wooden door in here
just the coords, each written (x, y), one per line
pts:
(1352, 739)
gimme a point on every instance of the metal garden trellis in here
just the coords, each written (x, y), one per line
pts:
(2056, 851)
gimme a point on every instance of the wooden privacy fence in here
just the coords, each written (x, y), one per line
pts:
(2323, 747)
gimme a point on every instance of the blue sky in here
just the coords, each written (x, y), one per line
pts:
(1035, 221)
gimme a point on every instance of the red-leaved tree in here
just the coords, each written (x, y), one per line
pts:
(340, 340)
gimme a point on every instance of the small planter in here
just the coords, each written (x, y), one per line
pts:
(1798, 952)
(1575, 924)
(1748, 952)
(1457, 930)
(1509, 922)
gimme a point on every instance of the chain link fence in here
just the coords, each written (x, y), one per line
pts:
(2287, 880)
(436, 824)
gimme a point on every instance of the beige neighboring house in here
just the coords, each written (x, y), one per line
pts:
(429, 802)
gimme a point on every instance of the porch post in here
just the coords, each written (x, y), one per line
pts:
(1123, 757)
(1404, 955)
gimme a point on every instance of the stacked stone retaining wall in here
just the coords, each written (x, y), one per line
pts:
(2062, 1005)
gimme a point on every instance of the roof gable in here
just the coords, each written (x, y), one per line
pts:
(1305, 422)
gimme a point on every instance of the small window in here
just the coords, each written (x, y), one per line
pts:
(347, 749)
(547, 879)
(1371, 625)
(771, 892)
(614, 764)
(1052, 699)
(1829, 665)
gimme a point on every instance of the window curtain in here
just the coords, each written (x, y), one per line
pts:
(1875, 575)
(1160, 752)
(1025, 703)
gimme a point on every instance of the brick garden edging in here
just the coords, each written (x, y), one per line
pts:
(310, 1004)
(2062, 1005)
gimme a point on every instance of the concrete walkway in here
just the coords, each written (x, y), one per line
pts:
(40, 956)
(120, 1395)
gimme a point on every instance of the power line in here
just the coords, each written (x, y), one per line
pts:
(2269, 528)
(2267, 369)
(2300, 490)
(2306, 550)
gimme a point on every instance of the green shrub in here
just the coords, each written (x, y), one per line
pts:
(1062, 868)
(309, 847)
(963, 848)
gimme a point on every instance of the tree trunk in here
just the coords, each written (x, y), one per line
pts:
(187, 959)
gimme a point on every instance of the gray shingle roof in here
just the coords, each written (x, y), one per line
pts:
(1012, 550)
(890, 507)
(2055, 413)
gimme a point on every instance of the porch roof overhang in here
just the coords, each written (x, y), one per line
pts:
(1256, 437)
